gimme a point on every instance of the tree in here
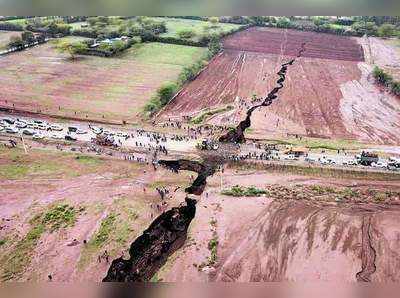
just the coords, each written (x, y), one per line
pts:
(213, 20)
(381, 77)
(387, 30)
(72, 48)
(395, 88)
(166, 92)
(362, 28)
(186, 33)
(28, 37)
(15, 42)
(284, 23)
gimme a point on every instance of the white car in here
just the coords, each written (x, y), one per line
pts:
(55, 127)
(81, 132)
(28, 132)
(9, 120)
(290, 157)
(20, 124)
(11, 129)
(56, 136)
(379, 164)
(32, 125)
(96, 130)
(38, 136)
(42, 126)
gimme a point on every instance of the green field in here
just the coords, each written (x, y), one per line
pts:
(199, 27)
(113, 89)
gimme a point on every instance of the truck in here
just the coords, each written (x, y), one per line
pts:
(367, 158)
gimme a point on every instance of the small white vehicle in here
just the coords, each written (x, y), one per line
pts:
(20, 124)
(11, 129)
(96, 130)
(56, 136)
(55, 127)
(28, 132)
(32, 125)
(81, 132)
(38, 136)
(9, 120)
(310, 159)
(379, 164)
(290, 157)
(42, 126)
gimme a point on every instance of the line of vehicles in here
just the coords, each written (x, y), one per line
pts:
(363, 159)
(36, 129)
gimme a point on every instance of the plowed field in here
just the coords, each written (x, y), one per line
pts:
(328, 91)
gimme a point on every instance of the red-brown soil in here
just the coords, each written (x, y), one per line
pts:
(262, 239)
(321, 97)
(288, 42)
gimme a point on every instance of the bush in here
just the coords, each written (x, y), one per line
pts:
(11, 27)
(395, 88)
(186, 33)
(381, 77)
(387, 30)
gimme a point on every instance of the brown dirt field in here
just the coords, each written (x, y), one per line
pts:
(321, 97)
(100, 186)
(288, 42)
(40, 78)
(286, 240)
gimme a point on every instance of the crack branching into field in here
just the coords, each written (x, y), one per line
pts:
(237, 135)
(166, 234)
(368, 252)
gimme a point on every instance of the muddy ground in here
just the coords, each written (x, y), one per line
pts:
(304, 228)
(97, 188)
(329, 95)
(265, 239)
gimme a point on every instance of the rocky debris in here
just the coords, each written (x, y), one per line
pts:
(149, 252)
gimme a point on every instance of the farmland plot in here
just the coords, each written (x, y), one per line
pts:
(328, 92)
(41, 79)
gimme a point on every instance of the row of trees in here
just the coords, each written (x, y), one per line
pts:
(25, 39)
(167, 91)
(386, 80)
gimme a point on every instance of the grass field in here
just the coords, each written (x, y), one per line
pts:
(199, 27)
(112, 89)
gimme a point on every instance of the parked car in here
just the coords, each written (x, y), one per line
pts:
(28, 132)
(20, 124)
(9, 120)
(32, 125)
(38, 136)
(56, 136)
(42, 126)
(70, 138)
(81, 132)
(55, 127)
(290, 157)
(11, 130)
(96, 130)
(379, 164)
(310, 159)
